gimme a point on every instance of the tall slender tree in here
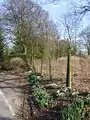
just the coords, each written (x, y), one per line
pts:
(31, 29)
(85, 38)
(1, 47)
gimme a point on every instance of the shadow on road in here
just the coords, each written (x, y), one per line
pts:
(4, 118)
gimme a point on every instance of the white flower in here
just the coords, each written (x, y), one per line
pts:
(58, 91)
(38, 77)
(28, 72)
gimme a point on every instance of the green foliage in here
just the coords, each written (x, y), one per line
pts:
(39, 53)
(31, 33)
(33, 78)
(40, 95)
(17, 49)
(62, 48)
(6, 62)
(1, 45)
(75, 111)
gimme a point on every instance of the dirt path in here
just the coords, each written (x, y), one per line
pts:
(9, 95)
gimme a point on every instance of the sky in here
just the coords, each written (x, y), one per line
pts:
(1, 1)
(57, 10)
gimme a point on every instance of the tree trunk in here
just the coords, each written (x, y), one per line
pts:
(50, 71)
(88, 50)
(41, 66)
(68, 78)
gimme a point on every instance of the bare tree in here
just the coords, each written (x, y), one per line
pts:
(81, 8)
(85, 38)
(70, 24)
(48, 1)
(30, 27)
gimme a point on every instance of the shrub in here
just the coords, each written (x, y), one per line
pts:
(17, 64)
(39, 93)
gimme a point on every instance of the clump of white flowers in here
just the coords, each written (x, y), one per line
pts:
(66, 92)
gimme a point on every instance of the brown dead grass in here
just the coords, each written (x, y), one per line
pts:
(17, 64)
(80, 71)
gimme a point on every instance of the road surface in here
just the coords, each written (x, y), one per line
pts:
(5, 113)
(9, 96)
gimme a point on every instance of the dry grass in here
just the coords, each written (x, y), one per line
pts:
(80, 71)
(17, 64)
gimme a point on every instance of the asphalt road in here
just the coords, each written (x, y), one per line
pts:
(5, 113)
(9, 96)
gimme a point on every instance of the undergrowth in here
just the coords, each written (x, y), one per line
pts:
(78, 109)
